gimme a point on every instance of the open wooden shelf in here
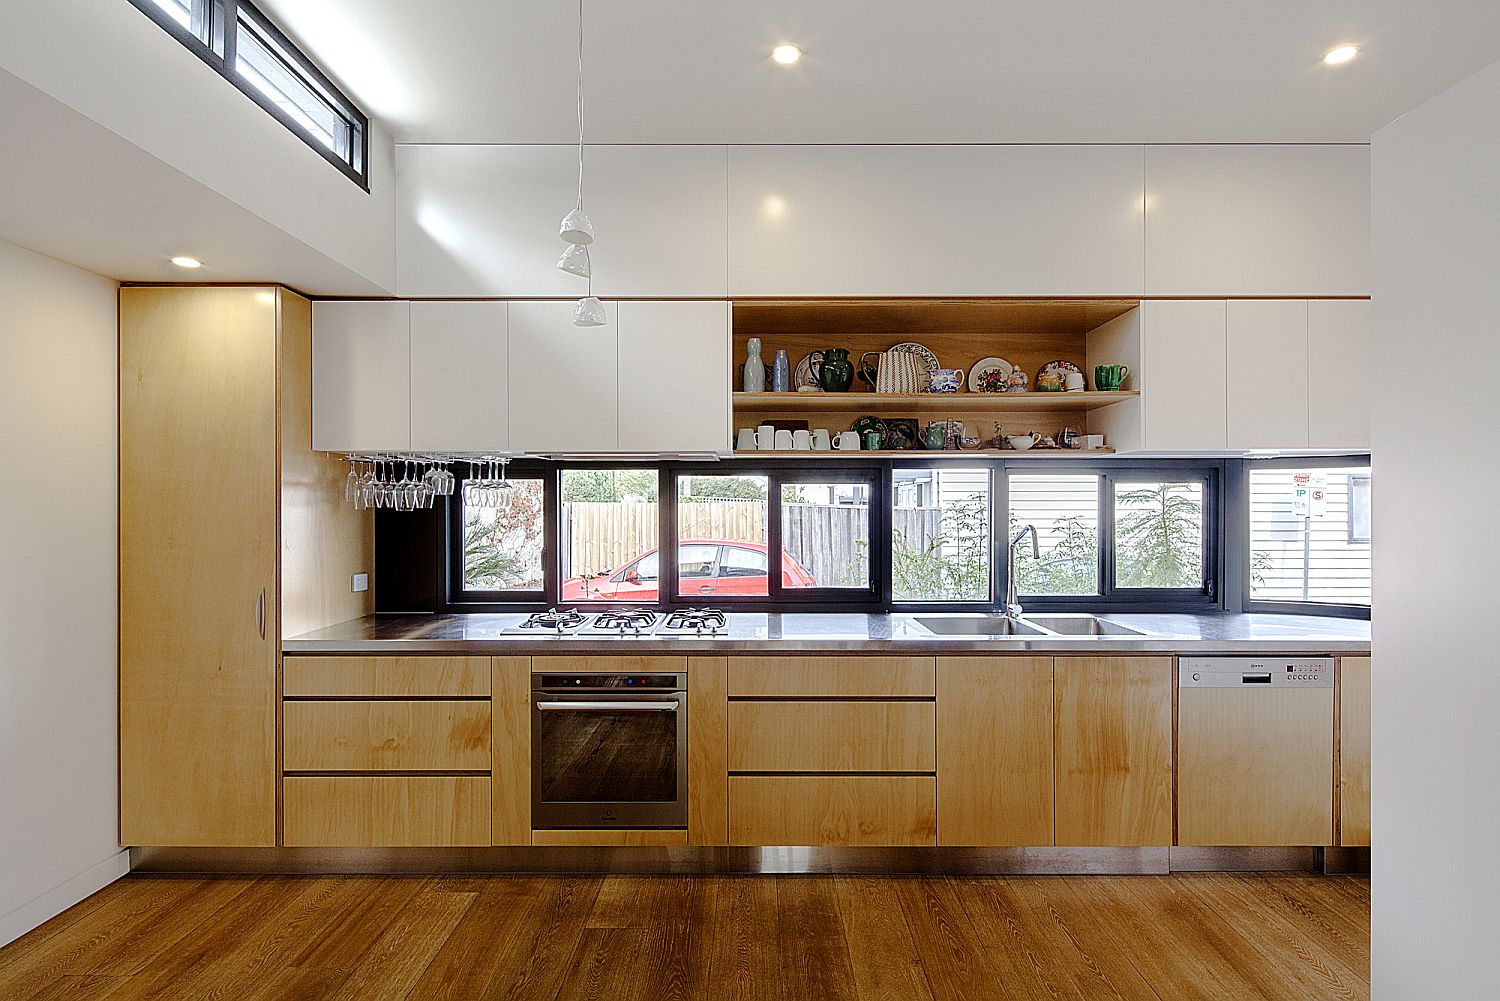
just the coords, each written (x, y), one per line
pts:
(887, 403)
(917, 453)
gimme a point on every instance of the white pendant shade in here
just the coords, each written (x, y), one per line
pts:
(589, 312)
(577, 228)
(575, 261)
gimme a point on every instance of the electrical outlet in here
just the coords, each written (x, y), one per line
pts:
(361, 582)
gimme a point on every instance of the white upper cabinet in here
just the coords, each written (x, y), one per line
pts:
(460, 372)
(935, 220)
(361, 376)
(1182, 376)
(674, 377)
(564, 389)
(1338, 373)
(1258, 220)
(482, 220)
(1267, 387)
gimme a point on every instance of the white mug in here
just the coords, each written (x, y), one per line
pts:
(1073, 382)
(783, 441)
(847, 442)
(820, 440)
(746, 441)
(765, 437)
(802, 440)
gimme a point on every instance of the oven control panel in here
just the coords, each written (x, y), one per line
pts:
(1255, 672)
(609, 682)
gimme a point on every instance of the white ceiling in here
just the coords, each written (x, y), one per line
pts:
(471, 71)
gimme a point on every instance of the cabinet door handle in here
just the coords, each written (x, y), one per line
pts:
(260, 614)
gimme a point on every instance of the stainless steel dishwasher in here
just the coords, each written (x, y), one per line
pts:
(1255, 751)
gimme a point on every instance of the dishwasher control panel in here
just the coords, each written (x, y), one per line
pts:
(1255, 672)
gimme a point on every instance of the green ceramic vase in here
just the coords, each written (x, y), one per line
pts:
(838, 371)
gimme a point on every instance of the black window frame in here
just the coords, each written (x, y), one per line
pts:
(996, 598)
(1209, 597)
(216, 47)
(451, 546)
(1237, 535)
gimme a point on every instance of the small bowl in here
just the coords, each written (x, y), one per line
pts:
(1021, 442)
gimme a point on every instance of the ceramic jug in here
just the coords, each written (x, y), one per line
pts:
(754, 380)
(897, 371)
(837, 374)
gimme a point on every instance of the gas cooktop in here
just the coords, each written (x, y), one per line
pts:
(624, 622)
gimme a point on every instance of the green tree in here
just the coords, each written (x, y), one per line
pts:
(1159, 538)
(609, 485)
(1070, 565)
(953, 565)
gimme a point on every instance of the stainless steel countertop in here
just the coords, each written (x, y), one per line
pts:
(790, 633)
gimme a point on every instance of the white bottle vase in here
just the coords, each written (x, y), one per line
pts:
(754, 380)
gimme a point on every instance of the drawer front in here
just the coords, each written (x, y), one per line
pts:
(386, 736)
(386, 810)
(866, 810)
(608, 665)
(837, 677)
(392, 677)
(832, 737)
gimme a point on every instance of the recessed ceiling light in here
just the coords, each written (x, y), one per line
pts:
(786, 54)
(187, 262)
(1340, 54)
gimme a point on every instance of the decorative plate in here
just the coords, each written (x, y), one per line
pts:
(901, 433)
(912, 347)
(1062, 368)
(808, 372)
(990, 375)
(867, 423)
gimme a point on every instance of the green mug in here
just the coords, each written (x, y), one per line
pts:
(1108, 378)
(874, 440)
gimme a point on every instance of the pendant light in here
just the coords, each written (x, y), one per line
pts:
(577, 229)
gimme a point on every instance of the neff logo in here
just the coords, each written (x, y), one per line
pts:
(609, 816)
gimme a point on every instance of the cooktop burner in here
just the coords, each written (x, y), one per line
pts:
(624, 621)
(695, 622)
(557, 620)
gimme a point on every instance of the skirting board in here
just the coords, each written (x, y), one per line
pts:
(676, 860)
(49, 905)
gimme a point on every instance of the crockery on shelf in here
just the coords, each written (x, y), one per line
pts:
(900, 433)
(1017, 382)
(1073, 382)
(935, 436)
(1048, 382)
(783, 441)
(865, 423)
(896, 371)
(874, 440)
(802, 440)
(989, 375)
(821, 442)
(945, 380)
(1062, 368)
(753, 379)
(765, 437)
(808, 372)
(929, 360)
(836, 374)
(847, 441)
(1109, 378)
(746, 440)
(1021, 442)
(781, 373)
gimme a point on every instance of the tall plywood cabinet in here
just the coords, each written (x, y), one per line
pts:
(217, 475)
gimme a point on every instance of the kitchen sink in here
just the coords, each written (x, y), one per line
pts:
(1081, 625)
(977, 625)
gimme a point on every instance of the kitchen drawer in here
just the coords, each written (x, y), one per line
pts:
(832, 737)
(394, 677)
(868, 810)
(372, 736)
(386, 810)
(838, 677)
(585, 664)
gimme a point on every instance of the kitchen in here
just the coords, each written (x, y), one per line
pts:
(797, 535)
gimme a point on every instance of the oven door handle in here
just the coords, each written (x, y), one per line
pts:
(611, 706)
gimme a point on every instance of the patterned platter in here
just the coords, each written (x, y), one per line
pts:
(990, 375)
(912, 347)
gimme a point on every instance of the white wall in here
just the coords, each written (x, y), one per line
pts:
(58, 588)
(110, 62)
(1436, 237)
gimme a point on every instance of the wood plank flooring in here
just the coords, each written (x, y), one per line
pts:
(725, 938)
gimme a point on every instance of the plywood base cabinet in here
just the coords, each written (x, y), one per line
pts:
(1354, 751)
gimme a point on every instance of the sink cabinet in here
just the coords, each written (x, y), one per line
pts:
(995, 750)
(1114, 750)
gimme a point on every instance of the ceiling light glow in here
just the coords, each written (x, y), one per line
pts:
(786, 54)
(187, 262)
(1340, 54)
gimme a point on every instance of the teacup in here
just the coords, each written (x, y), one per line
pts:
(1109, 378)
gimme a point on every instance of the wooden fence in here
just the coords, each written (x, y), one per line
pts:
(827, 539)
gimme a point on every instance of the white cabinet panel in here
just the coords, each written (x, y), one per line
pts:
(1258, 220)
(1267, 386)
(1338, 373)
(1181, 380)
(482, 220)
(935, 220)
(460, 371)
(564, 394)
(361, 376)
(674, 377)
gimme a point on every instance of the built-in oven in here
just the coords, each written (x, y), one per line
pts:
(609, 750)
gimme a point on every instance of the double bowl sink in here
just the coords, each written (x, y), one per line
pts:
(1026, 625)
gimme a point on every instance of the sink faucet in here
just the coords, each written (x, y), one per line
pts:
(1012, 602)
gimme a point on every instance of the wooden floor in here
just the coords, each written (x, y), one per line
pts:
(1155, 938)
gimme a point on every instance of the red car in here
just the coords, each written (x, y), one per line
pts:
(707, 567)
